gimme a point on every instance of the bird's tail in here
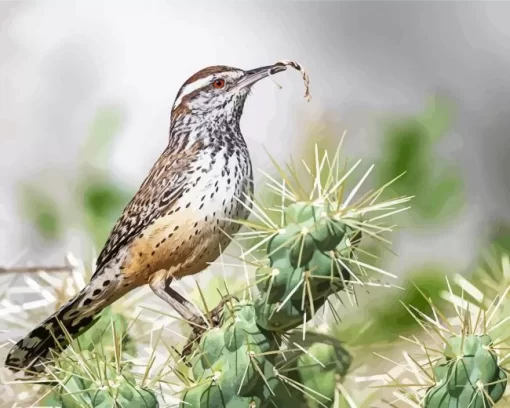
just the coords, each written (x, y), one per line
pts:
(76, 316)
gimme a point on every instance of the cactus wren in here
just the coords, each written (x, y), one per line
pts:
(178, 221)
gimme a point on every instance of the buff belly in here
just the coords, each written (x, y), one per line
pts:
(181, 244)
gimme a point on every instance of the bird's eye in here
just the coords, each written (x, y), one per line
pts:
(219, 83)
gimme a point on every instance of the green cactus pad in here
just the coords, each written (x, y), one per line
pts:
(228, 361)
(306, 264)
(89, 374)
(320, 368)
(328, 233)
(99, 336)
(237, 363)
(126, 396)
(115, 390)
(302, 250)
(468, 375)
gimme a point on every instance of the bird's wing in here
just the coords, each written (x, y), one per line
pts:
(161, 189)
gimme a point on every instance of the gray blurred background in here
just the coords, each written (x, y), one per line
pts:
(72, 72)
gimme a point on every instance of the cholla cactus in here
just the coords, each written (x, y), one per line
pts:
(321, 368)
(307, 255)
(305, 265)
(311, 240)
(94, 370)
(98, 368)
(240, 364)
(233, 361)
(110, 389)
(463, 359)
(253, 359)
(468, 375)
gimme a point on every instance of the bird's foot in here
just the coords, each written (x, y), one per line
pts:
(200, 325)
(215, 314)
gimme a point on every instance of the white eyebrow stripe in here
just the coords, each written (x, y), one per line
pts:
(199, 83)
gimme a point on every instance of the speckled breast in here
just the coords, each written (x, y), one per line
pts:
(187, 239)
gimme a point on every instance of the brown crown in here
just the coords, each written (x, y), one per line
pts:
(216, 69)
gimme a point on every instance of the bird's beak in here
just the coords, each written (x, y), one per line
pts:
(255, 75)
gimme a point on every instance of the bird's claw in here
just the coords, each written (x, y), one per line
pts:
(215, 314)
(200, 325)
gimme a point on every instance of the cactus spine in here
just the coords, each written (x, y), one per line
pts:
(468, 375)
(464, 352)
(253, 358)
(92, 373)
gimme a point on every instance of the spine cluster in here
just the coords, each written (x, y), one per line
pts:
(244, 361)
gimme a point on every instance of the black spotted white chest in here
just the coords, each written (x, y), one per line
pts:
(220, 185)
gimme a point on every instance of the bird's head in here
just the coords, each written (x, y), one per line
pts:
(219, 90)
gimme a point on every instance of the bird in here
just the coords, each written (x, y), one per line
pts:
(179, 221)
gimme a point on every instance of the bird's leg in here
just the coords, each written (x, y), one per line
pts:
(179, 303)
(161, 287)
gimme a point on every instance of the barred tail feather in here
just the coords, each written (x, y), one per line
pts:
(76, 316)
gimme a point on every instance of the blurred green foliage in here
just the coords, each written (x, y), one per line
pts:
(98, 196)
(103, 129)
(386, 318)
(393, 318)
(42, 211)
(407, 150)
(498, 240)
(103, 201)
(500, 237)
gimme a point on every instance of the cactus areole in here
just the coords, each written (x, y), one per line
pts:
(307, 264)
(468, 375)
(239, 362)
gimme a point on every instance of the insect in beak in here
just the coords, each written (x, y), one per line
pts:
(255, 75)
